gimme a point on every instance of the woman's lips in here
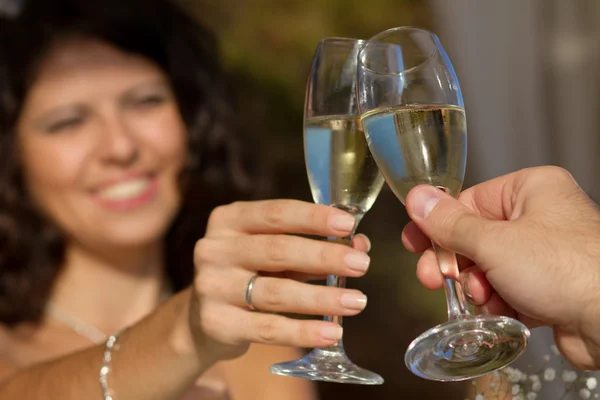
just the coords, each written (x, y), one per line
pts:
(128, 193)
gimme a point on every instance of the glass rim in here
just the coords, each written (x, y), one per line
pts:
(391, 31)
(361, 42)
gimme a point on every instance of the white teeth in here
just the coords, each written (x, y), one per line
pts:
(125, 190)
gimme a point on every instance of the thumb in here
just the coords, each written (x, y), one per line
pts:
(449, 223)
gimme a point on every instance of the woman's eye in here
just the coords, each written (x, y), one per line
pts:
(150, 100)
(64, 125)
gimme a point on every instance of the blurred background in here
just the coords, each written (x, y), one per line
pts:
(529, 71)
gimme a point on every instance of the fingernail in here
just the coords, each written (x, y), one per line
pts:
(353, 301)
(444, 269)
(425, 201)
(368, 244)
(342, 222)
(332, 332)
(466, 288)
(357, 261)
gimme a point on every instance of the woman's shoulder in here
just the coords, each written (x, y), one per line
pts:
(8, 364)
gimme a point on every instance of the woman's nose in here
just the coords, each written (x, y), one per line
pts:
(119, 144)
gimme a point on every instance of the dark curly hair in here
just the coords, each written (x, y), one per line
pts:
(218, 171)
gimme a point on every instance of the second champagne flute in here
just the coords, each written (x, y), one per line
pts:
(342, 174)
(414, 118)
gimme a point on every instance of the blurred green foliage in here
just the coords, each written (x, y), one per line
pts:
(268, 46)
(272, 40)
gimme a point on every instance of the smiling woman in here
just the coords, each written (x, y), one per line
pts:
(120, 258)
(112, 141)
(99, 98)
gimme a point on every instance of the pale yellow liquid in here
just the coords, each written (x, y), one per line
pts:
(341, 169)
(415, 145)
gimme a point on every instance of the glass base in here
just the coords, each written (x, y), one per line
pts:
(466, 348)
(329, 366)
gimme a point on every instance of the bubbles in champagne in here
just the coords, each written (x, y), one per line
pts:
(421, 144)
(341, 169)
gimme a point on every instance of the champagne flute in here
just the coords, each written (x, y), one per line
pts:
(342, 174)
(413, 115)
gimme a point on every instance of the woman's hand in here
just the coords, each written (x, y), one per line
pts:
(248, 238)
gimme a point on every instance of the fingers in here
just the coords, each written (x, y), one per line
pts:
(361, 242)
(235, 326)
(275, 253)
(289, 296)
(279, 330)
(428, 270)
(476, 287)
(497, 306)
(504, 197)
(279, 216)
(273, 294)
(450, 223)
(414, 240)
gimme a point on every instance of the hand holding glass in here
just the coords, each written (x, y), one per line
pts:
(342, 174)
(413, 115)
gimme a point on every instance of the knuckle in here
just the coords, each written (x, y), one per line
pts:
(556, 179)
(207, 282)
(556, 172)
(202, 250)
(305, 333)
(277, 247)
(272, 293)
(217, 215)
(550, 174)
(266, 329)
(274, 212)
(237, 207)
(208, 316)
(213, 324)
(220, 214)
(317, 214)
(322, 255)
(200, 285)
(320, 297)
(453, 223)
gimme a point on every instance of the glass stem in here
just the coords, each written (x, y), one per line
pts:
(455, 298)
(340, 282)
(335, 281)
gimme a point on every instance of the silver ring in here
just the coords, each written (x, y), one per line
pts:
(249, 289)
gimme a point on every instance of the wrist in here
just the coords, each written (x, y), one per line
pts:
(181, 338)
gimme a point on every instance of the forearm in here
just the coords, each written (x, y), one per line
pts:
(151, 362)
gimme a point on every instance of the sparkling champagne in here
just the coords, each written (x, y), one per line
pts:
(341, 169)
(419, 144)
